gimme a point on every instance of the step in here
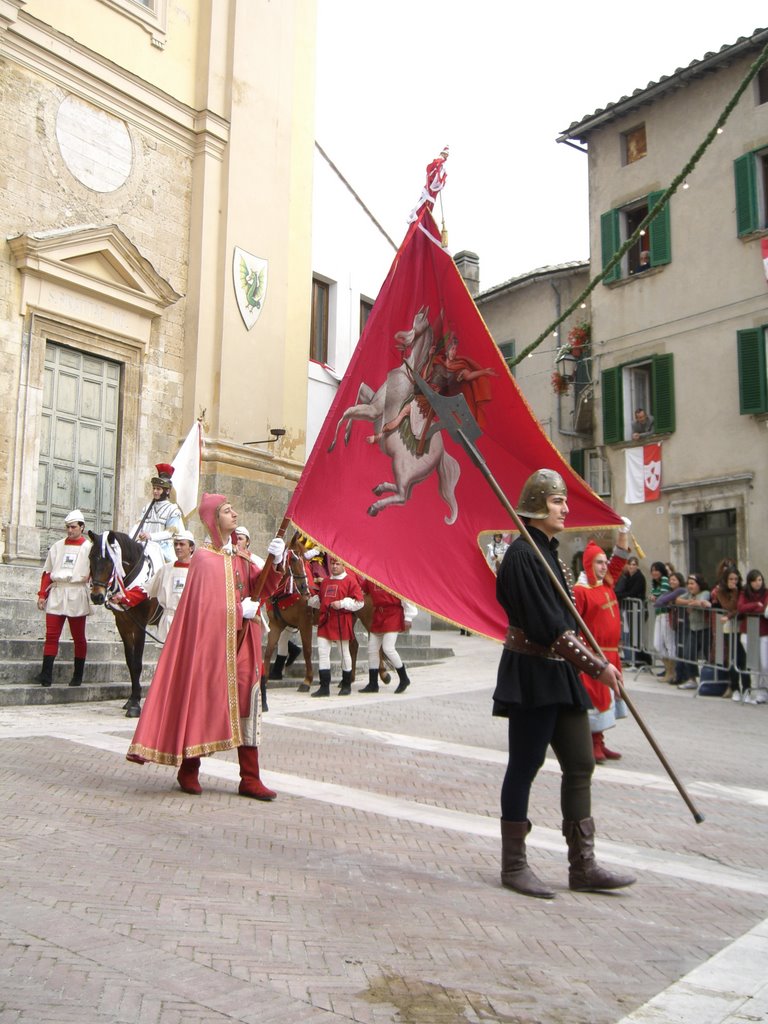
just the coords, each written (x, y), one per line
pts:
(14, 673)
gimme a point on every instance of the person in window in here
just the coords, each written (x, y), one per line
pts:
(642, 424)
(644, 262)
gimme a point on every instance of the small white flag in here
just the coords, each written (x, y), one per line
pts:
(186, 465)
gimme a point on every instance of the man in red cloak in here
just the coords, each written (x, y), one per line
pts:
(205, 694)
(598, 606)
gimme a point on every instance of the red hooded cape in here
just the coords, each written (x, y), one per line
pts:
(209, 664)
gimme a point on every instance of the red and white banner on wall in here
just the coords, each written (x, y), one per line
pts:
(643, 474)
(764, 251)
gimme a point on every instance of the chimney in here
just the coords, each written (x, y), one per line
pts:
(468, 264)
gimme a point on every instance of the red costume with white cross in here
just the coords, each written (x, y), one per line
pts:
(598, 606)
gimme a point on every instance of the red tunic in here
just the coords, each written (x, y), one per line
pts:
(335, 623)
(388, 615)
(599, 608)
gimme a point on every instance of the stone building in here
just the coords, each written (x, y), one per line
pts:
(679, 325)
(156, 167)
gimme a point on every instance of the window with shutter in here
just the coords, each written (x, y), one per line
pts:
(753, 391)
(613, 429)
(747, 213)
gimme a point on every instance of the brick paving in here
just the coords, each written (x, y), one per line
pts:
(368, 891)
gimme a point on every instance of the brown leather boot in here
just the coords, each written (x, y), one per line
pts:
(250, 782)
(515, 873)
(187, 776)
(585, 874)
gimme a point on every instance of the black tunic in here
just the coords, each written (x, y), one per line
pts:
(531, 602)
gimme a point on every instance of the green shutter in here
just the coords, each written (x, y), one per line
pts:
(576, 457)
(610, 240)
(660, 235)
(663, 394)
(613, 414)
(752, 381)
(747, 213)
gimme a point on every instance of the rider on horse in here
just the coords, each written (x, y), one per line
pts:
(161, 519)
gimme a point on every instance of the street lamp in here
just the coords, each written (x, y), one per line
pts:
(277, 433)
(566, 363)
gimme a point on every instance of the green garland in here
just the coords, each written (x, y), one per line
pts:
(676, 182)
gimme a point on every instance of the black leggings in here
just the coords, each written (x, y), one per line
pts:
(531, 731)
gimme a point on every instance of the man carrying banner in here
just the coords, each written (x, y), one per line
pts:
(161, 519)
(538, 689)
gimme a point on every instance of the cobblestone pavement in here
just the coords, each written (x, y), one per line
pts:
(369, 890)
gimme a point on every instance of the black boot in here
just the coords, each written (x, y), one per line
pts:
(405, 682)
(45, 675)
(585, 874)
(373, 681)
(263, 689)
(293, 652)
(324, 689)
(77, 675)
(276, 672)
(346, 683)
(515, 873)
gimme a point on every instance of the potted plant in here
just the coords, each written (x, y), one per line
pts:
(578, 339)
(560, 384)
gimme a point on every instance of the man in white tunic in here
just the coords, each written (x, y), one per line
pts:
(161, 519)
(64, 596)
(167, 585)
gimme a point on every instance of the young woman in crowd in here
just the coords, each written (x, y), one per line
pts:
(753, 600)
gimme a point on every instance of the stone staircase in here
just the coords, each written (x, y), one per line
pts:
(22, 632)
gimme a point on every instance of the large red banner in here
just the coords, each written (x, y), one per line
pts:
(385, 488)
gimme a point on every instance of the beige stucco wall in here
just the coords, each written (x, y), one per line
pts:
(519, 313)
(693, 307)
(221, 133)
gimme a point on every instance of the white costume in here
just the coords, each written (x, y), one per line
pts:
(67, 565)
(163, 522)
(167, 586)
(494, 553)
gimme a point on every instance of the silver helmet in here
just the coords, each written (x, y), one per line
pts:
(537, 488)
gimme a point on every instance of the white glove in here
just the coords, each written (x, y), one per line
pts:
(312, 553)
(314, 601)
(250, 608)
(276, 548)
(349, 604)
(627, 525)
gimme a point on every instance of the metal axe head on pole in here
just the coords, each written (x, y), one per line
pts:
(452, 411)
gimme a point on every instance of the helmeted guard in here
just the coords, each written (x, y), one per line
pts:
(161, 519)
(539, 691)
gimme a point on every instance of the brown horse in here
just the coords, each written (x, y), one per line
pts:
(131, 622)
(287, 609)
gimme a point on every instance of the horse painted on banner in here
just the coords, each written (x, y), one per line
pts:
(117, 561)
(404, 430)
(287, 608)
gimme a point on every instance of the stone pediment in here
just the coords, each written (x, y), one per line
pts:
(97, 263)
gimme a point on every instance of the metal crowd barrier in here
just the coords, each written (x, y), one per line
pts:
(700, 638)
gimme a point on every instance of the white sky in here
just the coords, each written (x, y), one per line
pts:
(497, 80)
